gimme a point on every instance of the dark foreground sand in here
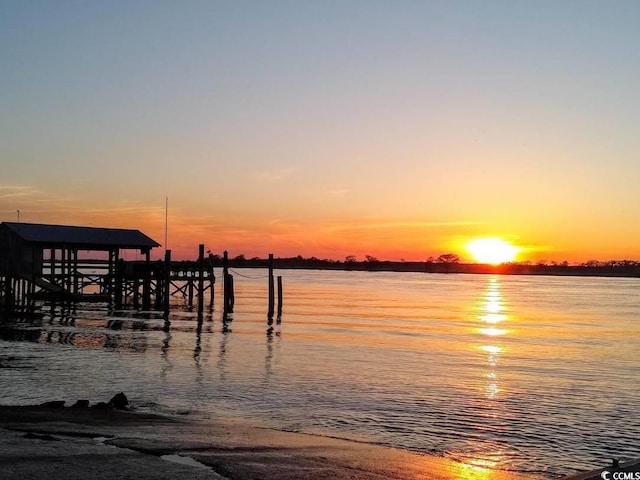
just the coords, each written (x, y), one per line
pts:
(69, 443)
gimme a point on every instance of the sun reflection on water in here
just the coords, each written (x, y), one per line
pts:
(491, 318)
(492, 350)
(492, 331)
(491, 388)
(491, 313)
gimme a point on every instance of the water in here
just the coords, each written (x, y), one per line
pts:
(522, 373)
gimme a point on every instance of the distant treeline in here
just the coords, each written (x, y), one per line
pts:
(448, 263)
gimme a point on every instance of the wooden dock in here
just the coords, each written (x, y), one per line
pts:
(41, 262)
(133, 284)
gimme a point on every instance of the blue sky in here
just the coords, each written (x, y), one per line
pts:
(398, 129)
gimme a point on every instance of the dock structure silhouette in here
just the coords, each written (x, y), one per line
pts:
(41, 262)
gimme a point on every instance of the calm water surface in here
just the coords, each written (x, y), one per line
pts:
(523, 373)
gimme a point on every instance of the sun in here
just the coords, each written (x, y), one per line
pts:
(492, 250)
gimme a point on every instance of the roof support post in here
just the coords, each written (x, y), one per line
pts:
(63, 266)
(52, 265)
(146, 286)
(76, 274)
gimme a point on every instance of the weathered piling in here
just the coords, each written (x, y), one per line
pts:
(146, 286)
(119, 274)
(52, 262)
(229, 299)
(16, 294)
(225, 264)
(190, 289)
(200, 279)
(227, 288)
(167, 282)
(279, 297)
(136, 292)
(232, 295)
(158, 273)
(8, 294)
(212, 281)
(271, 289)
(76, 277)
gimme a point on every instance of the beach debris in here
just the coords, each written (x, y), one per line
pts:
(119, 401)
(81, 404)
(53, 404)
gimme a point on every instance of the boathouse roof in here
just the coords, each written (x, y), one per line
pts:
(82, 238)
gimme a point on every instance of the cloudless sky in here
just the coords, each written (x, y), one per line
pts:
(398, 129)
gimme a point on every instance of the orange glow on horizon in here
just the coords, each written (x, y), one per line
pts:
(333, 238)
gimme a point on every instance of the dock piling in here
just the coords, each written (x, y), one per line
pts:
(119, 274)
(146, 285)
(228, 296)
(167, 282)
(190, 289)
(271, 289)
(279, 298)
(200, 279)
(227, 302)
(212, 281)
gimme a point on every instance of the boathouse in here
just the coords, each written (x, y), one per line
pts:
(36, 258)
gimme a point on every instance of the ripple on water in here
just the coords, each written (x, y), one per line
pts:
(526, 374)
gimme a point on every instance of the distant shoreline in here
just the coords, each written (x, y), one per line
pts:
(627, 271)
(623, 269)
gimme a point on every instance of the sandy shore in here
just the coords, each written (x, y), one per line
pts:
(83, 443)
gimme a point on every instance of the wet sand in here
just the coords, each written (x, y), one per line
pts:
(44, 442)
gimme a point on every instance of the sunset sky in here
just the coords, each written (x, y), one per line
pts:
(400, 129)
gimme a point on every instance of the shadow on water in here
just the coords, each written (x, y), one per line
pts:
(201, 350)
(77, 325)
(222, 351)
(181, 334)
(269, 357)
